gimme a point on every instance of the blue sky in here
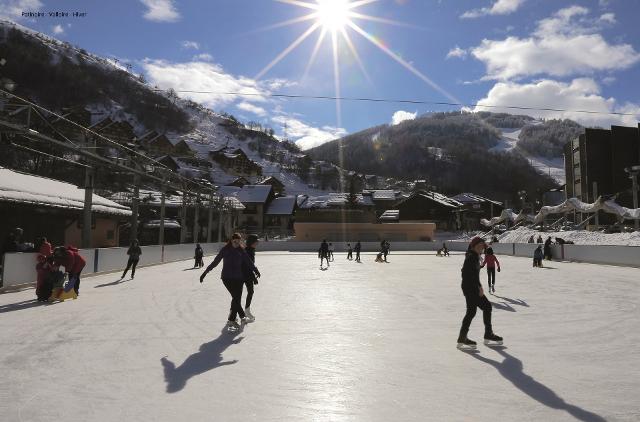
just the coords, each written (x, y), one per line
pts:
(575, 55)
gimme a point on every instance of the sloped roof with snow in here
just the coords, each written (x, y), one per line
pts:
(472, 198)
(383, 195)
(390, 215)
(254, 193)
(282, 206)
(25, 188)
(229, 190)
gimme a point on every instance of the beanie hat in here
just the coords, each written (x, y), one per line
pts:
(251, 239)
(475, 241)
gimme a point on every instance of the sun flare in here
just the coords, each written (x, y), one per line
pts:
(333, 14)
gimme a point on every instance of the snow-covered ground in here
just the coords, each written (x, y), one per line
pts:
(359, 342)
(554, 167)
(579, 237)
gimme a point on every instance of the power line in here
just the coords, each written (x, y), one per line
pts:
(399, 101)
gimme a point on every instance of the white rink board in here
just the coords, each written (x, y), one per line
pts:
(359, 342)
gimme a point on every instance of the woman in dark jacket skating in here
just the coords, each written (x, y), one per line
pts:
(474, 296)
(233, 257)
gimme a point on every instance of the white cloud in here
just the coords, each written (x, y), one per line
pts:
(201, 76)
(58, 29)
(579, 94)
(12, 9)
(457, 52)
(190, 44)
(160, 11)
(608, 18)
(500, 7)
(401, 115)
(565, 44)
(203, 57)
(306, 136)
(259, 111)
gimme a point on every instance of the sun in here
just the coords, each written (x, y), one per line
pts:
(333, 14)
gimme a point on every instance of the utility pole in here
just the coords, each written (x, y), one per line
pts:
(161, 232)
(595, 198)
(88, 201)
(210, 220)
(183, 220)
(633, 172)
(135, 201)
(221, 205)
(196, 223)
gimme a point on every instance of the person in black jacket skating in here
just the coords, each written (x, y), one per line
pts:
(357, 250)
(323, 253)
(475, 297)
(249, 277)
(198, 255)
(134, 253)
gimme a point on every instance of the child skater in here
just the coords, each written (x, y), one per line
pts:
(475, 297)
(323, 253)
(198, 255)
(491, 262)
(538, 256)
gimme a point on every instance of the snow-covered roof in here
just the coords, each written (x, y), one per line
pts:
(383, 195)
(282, 206)
(229, 190)
(155, 224)
(28, 189)
(472, 198)
(254, 193)
(390, 215)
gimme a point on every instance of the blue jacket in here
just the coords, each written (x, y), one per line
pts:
(232, 261)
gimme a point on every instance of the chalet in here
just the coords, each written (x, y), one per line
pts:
(476, 207)
(426, 206)
(182, 148)
(382, 199)
(121, 132)
(155, 143)
(238, 182)
(256, 199)
(78, 115)
(235, 161)
(25, 199)
(280, 215)
(170, 162)
(277, 185)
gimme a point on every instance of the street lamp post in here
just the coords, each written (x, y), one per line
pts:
(633, 175)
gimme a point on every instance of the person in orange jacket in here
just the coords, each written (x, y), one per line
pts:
(492, 263)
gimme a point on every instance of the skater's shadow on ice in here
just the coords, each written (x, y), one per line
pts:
(518, 302)
(113, 283)
(503, 306)
(511, 368)
(25, 304)
(208, 357)
(191, 269)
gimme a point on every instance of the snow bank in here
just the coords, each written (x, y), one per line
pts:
(579, 237)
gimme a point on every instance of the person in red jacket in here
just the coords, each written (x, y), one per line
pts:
(491, 262)
(73, 263)
(45, 247)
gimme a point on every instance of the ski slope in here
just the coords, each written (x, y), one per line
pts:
(359, 342)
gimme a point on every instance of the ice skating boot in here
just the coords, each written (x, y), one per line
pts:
(493, 288)
(465, 344)
(249, 315)
(233, 326)
(490, 339)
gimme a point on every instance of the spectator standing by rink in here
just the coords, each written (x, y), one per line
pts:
(198, 255)
(250, 280)
(547, 248)
(73, 263)
(12, 240)
(538, 255)
(357, 250)
(323, 253)
(491, 262)
(134, 253)
(475, 297)
(349, 252)
(233, 257)
(539, 239)
(531, 239)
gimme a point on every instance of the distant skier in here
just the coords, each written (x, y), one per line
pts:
(197, 256)
(134, 253)
(349, 252)
(323, 253)
(357, 250)
(475, 297)
(232, 257)
(331, 249)
(249, 277)
(491, 262)
(538, 256)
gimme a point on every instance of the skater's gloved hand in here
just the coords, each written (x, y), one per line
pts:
(498, 269)
(202, 277)
(255, 281)
(257, 273)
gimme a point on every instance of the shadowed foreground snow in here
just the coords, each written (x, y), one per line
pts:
(359, 342)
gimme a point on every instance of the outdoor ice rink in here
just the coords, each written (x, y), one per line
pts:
(359, 342)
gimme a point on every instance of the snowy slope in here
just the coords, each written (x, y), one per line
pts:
(552, 167)
(579, 237)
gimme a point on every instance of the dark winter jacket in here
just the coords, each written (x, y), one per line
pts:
(72, 261)
(471, 273)
(134, 252)
(324, 250)
(537, 254)
(232, 261)
(199, 252)
(246, 270)
(358, 247)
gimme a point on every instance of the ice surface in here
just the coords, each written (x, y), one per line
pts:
(359, 342)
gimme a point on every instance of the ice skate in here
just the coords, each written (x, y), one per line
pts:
(493, 289)
(491, 339)
(233, 326)
(466, 344)
(249, 315)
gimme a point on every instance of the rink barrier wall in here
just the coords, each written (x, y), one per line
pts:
(19, 267)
